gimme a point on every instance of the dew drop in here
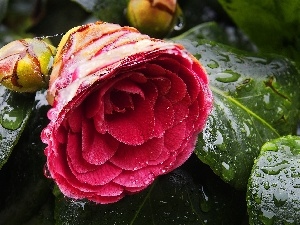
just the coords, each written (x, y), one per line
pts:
(10, 117)
(180, 22)
(276, 169)
(205, 203)
(227, 76)
(213, 64)
(267, 217)
(219, 138)
(280, 197)
(266, 185)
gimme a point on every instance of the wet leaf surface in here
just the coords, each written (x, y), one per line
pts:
(14, 113)
(256, 99)
(273, 194)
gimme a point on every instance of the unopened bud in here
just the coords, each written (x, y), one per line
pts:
(25, 65)
(153, 17)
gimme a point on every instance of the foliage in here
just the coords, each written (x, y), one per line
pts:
(256, 101)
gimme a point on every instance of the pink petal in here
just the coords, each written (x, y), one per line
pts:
(128, 86)
(164, 116)
(133, 127)
(74, 155)
(178, 88)
(190, 78)
(105, 199)
(138, 178)
(102, 175)
(181, 109)
(74, 119)
(185, 152)
(175, 136)
(96, 148)
(135, 157)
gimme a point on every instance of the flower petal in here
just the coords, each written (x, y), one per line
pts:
(96, 148)
(135, 157)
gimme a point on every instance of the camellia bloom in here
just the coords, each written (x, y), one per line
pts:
(126, 109)
(25, 64)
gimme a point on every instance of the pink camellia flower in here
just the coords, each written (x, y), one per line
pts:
(126, 109)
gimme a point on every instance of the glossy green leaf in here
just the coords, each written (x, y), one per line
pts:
(272, 25)
(273, 195)
(106, 10)
(3, 8)
(176, 198)
(25, 193)
(14, 113)
(232, 139)
(256, 99)
(212, 31)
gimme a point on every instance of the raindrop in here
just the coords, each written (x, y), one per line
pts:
(180, 22)
(213, 65)
(205, 203)
(266, 185)
(267, 217)
(280, 197)
(10, 117)
(276, 169)
(227, 76)
(219, 138)
(227, 172)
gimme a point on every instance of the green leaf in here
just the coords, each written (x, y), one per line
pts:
(14, 113)
(176, 198)
(231, 139)
(25, 193)
(3, 8)
(273, 195)
(214, 32)
(272, 25)
(256, 99)
(106, 10)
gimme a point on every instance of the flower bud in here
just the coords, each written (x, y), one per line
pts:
(153, 17)
(25, 65)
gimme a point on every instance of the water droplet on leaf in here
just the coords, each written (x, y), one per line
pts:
(227, 76)
(280, 197)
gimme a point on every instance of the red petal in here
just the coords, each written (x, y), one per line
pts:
(129, 87)
(185, 152)
(105, 199)
(190, 78)
(136, 157)
(96, 148)
(138, 178)
(133, 127)
(175, 136)
(102, 175)
(178, 88)
(74, 155)
(74, 119)
(163, 84)
(164, 116)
